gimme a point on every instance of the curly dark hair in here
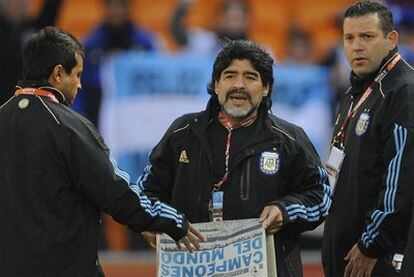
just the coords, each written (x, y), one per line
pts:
(241, 50)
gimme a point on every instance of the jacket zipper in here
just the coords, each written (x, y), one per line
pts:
(288, 263)
(245, 182)
(209, 190)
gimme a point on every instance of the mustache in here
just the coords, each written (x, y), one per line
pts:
(238, 91)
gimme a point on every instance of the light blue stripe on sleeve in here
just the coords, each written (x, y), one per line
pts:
(313, 213)
(394, 167)
(154, 209)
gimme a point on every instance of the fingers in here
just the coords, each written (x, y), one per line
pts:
(348, 256)
(151, 238)
(358, 264)
(187, 244)
(268, 217)
(191, 240)
(355, 271)
(348, 270)
(350, 266)
(264, 214)
(197, 233)
(369, 270)
(352, 270)
(272, 231)
(272, 218)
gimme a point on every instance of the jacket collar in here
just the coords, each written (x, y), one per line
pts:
(360, 84)
(204, 119)
(44, 85)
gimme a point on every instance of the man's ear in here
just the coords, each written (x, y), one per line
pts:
(56, 76)
(393, 38)
(265, 91)
(216, 91)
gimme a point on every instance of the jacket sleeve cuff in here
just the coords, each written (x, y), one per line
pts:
(368, 252)
(178, 233)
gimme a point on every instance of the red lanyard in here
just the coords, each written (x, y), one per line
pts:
(352, 111)
(227, 124)
(35, 91)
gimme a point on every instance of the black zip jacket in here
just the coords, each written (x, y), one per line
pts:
(372, 198)
(181, 173)
(408, 263)
(56, 175)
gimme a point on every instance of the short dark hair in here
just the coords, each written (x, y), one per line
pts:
(48, 48)
(240, 50)
(367, 7)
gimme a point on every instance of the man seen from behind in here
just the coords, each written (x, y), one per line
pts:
(57, 174)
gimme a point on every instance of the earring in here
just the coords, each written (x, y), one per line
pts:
(216, 91)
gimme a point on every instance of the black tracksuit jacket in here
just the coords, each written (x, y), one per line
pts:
(372, 198)
(56, 175)
(408, 263)
(298, 183)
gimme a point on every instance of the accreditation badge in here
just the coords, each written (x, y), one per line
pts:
(216, 205)
(333, 164)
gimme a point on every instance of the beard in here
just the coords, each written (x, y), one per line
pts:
(238, 112)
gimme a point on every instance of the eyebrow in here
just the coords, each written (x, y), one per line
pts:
(230, 71)
(254, 73)
(362, 33)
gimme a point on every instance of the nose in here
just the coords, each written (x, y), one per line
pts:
(357, 44)
(238, 82)
(79, 85)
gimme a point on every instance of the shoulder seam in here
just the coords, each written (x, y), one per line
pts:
(44, 104)
(182, 128)
(408, 64)
(284, 132)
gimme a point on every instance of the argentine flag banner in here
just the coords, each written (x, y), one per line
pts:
(143, 94)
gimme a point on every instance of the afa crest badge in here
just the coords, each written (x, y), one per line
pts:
(362, 124)
(269, 163)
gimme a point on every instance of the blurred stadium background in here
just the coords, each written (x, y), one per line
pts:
(270, 20)
(143, 91)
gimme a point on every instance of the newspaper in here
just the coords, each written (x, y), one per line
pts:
(233, 248)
